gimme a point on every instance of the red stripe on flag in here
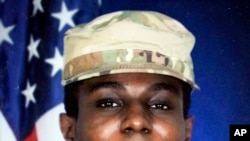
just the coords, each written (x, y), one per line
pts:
(32, 136)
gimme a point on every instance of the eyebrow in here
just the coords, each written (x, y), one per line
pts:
(107, 85)
(163, 86)
(119, 86)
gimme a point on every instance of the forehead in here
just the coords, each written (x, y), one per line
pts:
(135, 79)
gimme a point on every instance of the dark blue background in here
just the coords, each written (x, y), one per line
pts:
(221, 59)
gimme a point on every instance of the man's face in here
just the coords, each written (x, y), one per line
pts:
(129, 107)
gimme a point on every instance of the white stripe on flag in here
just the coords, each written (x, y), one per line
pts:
(48, 127)
(6, 133)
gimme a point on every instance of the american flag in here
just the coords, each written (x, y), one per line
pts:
(31, 49)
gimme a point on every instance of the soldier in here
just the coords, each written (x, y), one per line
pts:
(128, 76)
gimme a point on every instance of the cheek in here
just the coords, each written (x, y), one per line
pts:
(108, 131)
(99, 129)
(172, 131)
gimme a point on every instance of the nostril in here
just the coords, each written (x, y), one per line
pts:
(143, 130)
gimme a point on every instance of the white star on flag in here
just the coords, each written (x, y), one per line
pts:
(37, 6)
(4, 33)
(29, 94)
(99, 3)
(56, 62)
(32, 48)
(65, 16)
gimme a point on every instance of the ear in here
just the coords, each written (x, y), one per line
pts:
(67, 125)
(189, 127)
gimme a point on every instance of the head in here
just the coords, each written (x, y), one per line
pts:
(128, 76)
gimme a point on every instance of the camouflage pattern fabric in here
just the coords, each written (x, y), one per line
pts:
(127, 42)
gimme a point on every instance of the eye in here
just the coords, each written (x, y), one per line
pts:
(159, 106)
(108, 103)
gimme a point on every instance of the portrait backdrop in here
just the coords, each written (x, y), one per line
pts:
(31, 50)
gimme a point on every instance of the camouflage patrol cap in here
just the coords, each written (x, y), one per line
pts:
(129, 42)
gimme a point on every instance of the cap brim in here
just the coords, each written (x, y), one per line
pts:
(139, 68)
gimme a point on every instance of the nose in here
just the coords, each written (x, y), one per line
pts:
(136, 120)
